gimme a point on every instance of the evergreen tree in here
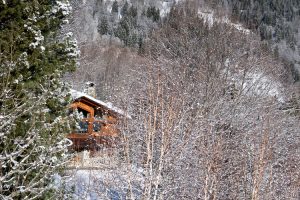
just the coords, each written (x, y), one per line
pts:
(123, 30)
(132, 39)
(156, 15)
(143, 12)
(132, 12)
(115, 7)
(32, 97)
(149, 12)
(153, 13)
(132, 16)
(124, 9)
(103, 26)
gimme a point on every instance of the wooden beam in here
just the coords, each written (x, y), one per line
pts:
(84, 107)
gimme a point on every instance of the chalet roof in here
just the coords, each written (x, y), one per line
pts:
(77, 95)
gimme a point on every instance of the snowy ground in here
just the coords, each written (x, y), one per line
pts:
(101, 177)
(210, 18)
(102, 184)
(98, 160)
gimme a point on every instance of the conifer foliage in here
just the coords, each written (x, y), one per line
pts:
(126, 22)
(32, 97)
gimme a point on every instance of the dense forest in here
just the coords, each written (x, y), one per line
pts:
(211, 88)
(277, 22)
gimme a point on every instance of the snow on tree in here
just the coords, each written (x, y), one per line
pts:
(207, 121)
(32, 97)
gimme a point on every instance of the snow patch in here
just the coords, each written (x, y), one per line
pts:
(210, 18)
(102, 184)
(257, 83)
(165, 9)
(264, 85)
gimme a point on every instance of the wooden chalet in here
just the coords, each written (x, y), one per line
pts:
(98, 127)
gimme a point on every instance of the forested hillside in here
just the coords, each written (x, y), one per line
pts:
(210, 89)
(215, 111)
(276, 21)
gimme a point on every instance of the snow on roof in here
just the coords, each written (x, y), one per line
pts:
(76, 95)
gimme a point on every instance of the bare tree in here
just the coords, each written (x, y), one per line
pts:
(209, 116)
